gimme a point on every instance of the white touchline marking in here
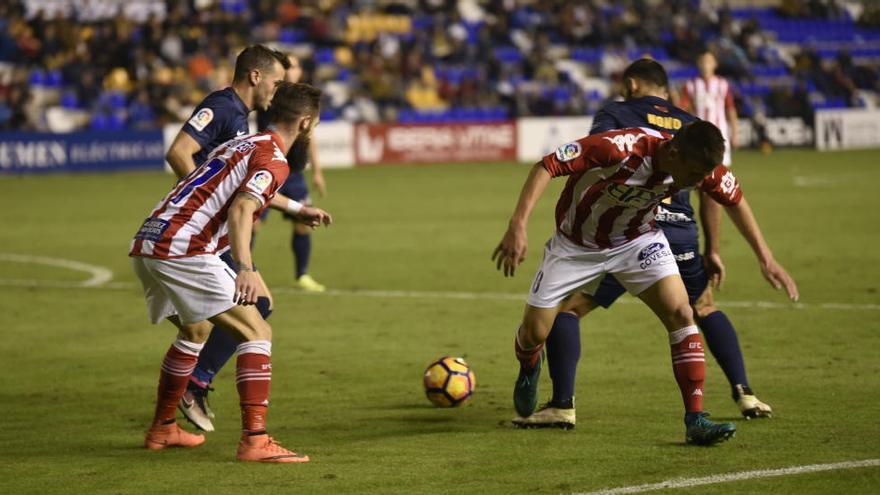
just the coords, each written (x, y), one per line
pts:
(389, 294)
(99, 274)
(724, 478)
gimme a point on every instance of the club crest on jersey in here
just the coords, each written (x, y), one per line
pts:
(260, 181)
(201, 119)
(568, 152)
(654, 253)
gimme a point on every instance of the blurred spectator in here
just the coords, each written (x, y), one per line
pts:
(468, 58)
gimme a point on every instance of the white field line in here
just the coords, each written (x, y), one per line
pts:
(99, 274)
(101, 280)
(743, 475)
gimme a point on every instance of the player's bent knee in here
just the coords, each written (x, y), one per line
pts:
(195, 332)
(704, 310)
(681, 315)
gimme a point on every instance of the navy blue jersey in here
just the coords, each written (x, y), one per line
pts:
(220, 117)
(675, 215)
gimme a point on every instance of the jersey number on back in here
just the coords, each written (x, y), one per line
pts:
(210, 170)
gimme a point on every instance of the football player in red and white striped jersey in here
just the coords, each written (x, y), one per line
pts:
(605, 224)
(710, 97)
(176, 252)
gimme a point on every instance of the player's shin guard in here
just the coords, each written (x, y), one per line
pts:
(252, 378)
(528, 358)
(689, 366)
(180, 360)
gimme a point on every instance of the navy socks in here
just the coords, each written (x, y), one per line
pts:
(723, 343)
(301, 244)
(563, 353)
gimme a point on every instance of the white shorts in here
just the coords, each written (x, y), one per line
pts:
(195, 288)
(568, 267)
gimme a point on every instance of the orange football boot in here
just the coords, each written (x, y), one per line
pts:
(263, 448)
(171, 435)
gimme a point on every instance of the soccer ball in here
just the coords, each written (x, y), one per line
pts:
(449, 382)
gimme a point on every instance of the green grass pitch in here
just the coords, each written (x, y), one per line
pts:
(79, 365)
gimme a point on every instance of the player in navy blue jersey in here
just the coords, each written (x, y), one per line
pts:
(296, 188)
(221, 116)
(645, 89)
(220, 346)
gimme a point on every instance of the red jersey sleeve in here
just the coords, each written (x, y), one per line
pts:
(722, 186)
(595, 151)
(267, 171)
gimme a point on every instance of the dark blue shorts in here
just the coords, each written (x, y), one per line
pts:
(690, 265)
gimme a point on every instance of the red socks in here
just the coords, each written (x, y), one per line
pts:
(179, 363)
(689, 366)
(528, 358)
(252, 378)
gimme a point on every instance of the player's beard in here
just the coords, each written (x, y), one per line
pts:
(298, 156)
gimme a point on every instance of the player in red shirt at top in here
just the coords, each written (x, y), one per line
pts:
(605, 224)
(176, 255)
(710, 98)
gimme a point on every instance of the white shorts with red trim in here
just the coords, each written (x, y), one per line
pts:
(194, 288)
(568, 267)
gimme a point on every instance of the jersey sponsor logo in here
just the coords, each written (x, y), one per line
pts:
(665, 122)
(152, 229)
(625, 142)
(568, 152)
(655, 253)
(201, 119)
(664, 215)
(631, 196)
(685, 256)
(260, 181)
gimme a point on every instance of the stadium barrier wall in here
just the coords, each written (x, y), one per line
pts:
(540, 136)
(846, 129)
(435, 143)
(335, 141)
(37, 152)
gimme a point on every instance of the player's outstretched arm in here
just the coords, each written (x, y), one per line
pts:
(314, 217)
(248, 283)
(745, 222)
(308, 215)
(511, 251)
(710, 221)
(180, 154)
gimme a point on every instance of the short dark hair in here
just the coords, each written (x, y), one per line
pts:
(647, 70)
(702, 142)
(257, 57)
(292, 101)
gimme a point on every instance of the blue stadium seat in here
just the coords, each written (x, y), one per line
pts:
(508, 54)
(324, 56)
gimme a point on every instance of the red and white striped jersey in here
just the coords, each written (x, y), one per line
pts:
(613, 187)
(710, 100)
(191, 219)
